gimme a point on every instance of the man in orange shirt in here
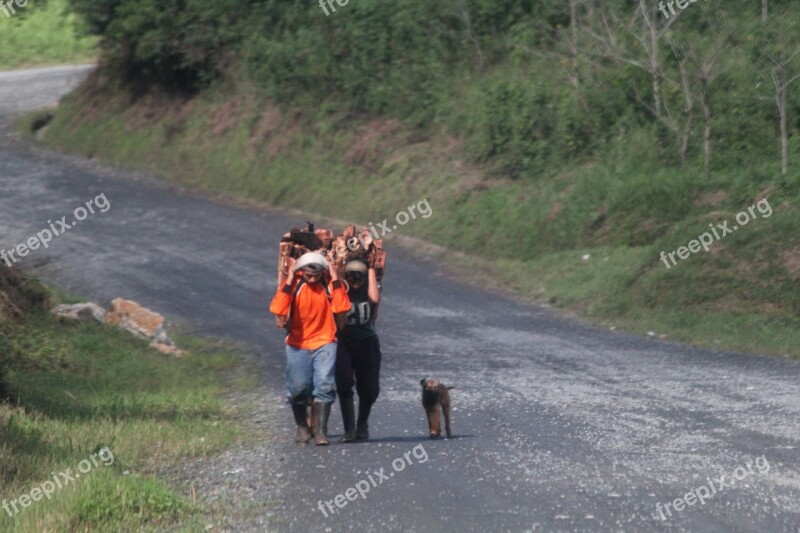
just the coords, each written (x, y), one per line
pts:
(311, 343)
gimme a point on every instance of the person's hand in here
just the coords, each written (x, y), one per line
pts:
(376, 258)
(297, 273)
(366, 238)
(330, 256)
(334, 273)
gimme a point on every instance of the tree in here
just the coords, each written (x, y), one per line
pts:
(463, 12)
(782, 77)
(778, 49)
(639, 41)
(703, 54)
(647, 29)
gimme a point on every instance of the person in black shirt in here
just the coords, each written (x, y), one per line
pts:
(358, 353)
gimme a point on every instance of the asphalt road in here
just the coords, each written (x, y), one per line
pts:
(558, 426)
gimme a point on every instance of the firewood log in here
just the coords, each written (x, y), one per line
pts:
(339, 249)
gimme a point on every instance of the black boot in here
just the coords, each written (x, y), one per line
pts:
(303, 433)
(349, 418)
(362, 427)
(321, 413)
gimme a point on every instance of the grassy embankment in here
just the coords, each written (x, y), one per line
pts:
(43, 35)
(620, 209)
(75, 389)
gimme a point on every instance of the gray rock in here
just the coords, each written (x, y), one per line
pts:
(80, 312)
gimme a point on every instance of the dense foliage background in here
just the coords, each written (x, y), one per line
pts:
(529, 83)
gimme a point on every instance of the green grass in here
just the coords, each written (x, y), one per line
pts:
(619, 288)
(621, 209)
(79, 388)
(43, 35)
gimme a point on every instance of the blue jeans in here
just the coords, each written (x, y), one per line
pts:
(311, 373)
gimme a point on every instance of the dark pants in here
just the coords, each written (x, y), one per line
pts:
(360, 360)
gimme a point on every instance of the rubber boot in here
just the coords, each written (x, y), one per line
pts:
(362, 427)
(349, 418)
(303, 433)
(321, 413)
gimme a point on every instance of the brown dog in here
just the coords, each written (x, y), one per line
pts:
(435, 396)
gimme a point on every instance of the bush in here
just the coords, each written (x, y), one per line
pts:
(177, 44)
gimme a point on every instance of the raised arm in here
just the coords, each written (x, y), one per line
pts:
(282, 301)
(373, 291)
(340, 301)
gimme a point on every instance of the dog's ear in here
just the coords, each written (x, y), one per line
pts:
(448, 388)
(422, 381)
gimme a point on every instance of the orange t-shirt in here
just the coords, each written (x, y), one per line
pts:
(312, 313)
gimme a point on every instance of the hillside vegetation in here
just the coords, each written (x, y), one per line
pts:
(570, 143)
(43, 33)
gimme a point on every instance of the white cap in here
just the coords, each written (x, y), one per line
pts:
(315, 259)
(356, 266)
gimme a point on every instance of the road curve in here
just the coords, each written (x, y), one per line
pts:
(559, 426)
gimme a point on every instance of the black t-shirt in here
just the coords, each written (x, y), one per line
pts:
(360, 321)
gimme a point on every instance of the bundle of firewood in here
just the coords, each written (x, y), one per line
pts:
(339, 249)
